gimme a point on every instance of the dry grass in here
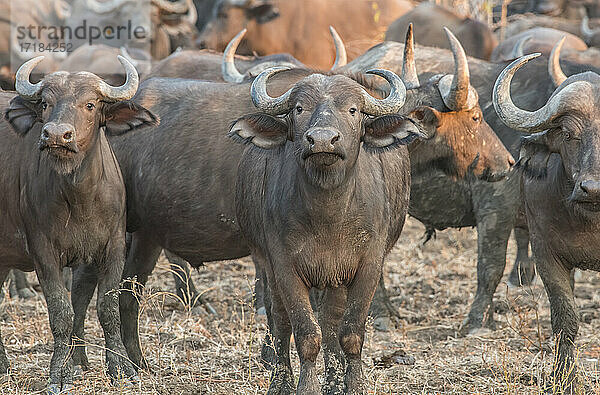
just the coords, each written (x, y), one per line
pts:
(431, 286)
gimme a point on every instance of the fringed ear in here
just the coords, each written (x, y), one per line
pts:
(264, 131)
(22, 115)
(534, 155)
(124, 116)
(390, 131)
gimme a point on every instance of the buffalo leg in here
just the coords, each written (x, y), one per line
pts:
(523, 270)
(60, 313)
(184, 285)
(3, 359)
(282, 377)
(352, 330)
(564, 316)
(259, 288)
(141, 259)
(22, 287)
(381, 308)
(107, 303)
(85, 279)
(330, 316)
(492, 240)
(307, 334)
(267, 353)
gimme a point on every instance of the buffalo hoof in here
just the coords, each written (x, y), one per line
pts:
(355, 381)
(25, 293)
(261, 311)
(55, 389)
(267, 355)
(282, 382)
(80, 358)
(308, 383)
(3, 364)
(522, 274)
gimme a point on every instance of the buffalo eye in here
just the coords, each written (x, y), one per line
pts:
(477, 117)
(352, 111)
(568, 136)
(90, 106)
(299, 109)
(44, 105)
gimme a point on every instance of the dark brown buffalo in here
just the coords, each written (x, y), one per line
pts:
(475, 36)
(492, 206)
(561, 191)
(321, 202)
(64, 197)
(301, 26)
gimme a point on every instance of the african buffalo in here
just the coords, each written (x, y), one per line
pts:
(494, 208)
(303, 24)
(64, 197)
(213, 66)
(475, 36)
(321, 212)
(561, 190)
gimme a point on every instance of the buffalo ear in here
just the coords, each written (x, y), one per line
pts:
(262, 130)
(21, 115)
(429, 119)
(124, 116)
(390, 131)
(534, 155)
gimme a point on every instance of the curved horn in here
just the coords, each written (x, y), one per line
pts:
(127, 55)
(519, 48)
(192, 16)
(393, 102)
(340, 49)
(174, 7)
(22, 84)
(556, 73)
(456, 90)
(107, 6)
(516, 118)
(262, 100)
(125, 91)
(409, 69)
(228, 69)
(587, 32)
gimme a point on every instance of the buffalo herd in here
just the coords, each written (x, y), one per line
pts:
(305, 154)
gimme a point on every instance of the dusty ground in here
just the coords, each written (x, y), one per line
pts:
(431, 286)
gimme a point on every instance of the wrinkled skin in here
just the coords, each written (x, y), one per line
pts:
(476, 38)
(493, 208)
(304, 25)
(65, 200)
(320, 193)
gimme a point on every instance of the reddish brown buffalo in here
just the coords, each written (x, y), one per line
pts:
(303, 25)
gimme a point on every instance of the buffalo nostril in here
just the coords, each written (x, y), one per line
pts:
(335, 139)
(583, 187)
(68, 136)
(310, 140)
(511, 162)
(45, 134)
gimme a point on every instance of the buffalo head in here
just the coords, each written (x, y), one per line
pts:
(567, 125)
(460, 140)
(323, 119)
(72, 109)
